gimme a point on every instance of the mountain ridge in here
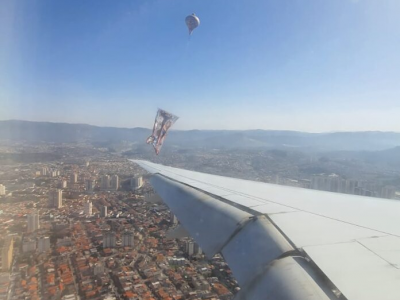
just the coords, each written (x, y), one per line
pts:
(30, 131)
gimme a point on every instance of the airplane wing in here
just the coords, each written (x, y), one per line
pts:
(288, 243)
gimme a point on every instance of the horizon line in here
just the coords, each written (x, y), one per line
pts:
(255, 129)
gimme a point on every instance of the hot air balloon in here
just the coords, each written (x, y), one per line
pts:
(192, 21)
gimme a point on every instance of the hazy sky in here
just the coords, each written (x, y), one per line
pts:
(312, 65)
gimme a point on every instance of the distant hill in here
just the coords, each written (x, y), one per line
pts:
(388, 156)
(65, 133)
(228, 139)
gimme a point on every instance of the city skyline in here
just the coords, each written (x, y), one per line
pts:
(315, 66)
(98, 243)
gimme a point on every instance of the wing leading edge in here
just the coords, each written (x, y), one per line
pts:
(283, 242)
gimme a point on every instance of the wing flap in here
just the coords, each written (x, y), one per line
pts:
(258, 240)
(289, 278)
(358, 272)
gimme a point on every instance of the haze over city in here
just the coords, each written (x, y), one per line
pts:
(199, 149)
(312, 66)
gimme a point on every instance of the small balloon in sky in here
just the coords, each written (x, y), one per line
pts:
(192, 22)
(163, 122)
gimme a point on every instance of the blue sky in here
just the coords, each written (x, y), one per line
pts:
(310, 65)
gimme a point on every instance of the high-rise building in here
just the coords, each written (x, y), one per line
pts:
(88, 208)
(358, 191)
(173, 219)
(2, 190)
(197, 249)
(90, 185)
(55, 198)
(33, 222)
(103, 212)
(192, 248)
(43, 244)
(109, 240)
(342, 186)
(136, 182)
(28, 245)
(82, 178)
(333, 183)
(105, 182)
(388, 192)
(115, 182)
(351, 186)
(62, 184)
(368, 193)
(98, 268)
(7, 254)
(127, 239)
(363, 192)
(189, 248)
(44, 171)
(74, 178)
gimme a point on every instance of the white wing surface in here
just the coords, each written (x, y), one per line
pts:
(285, 242)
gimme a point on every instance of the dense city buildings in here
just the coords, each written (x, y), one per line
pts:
(335, 183)
(122, 249)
